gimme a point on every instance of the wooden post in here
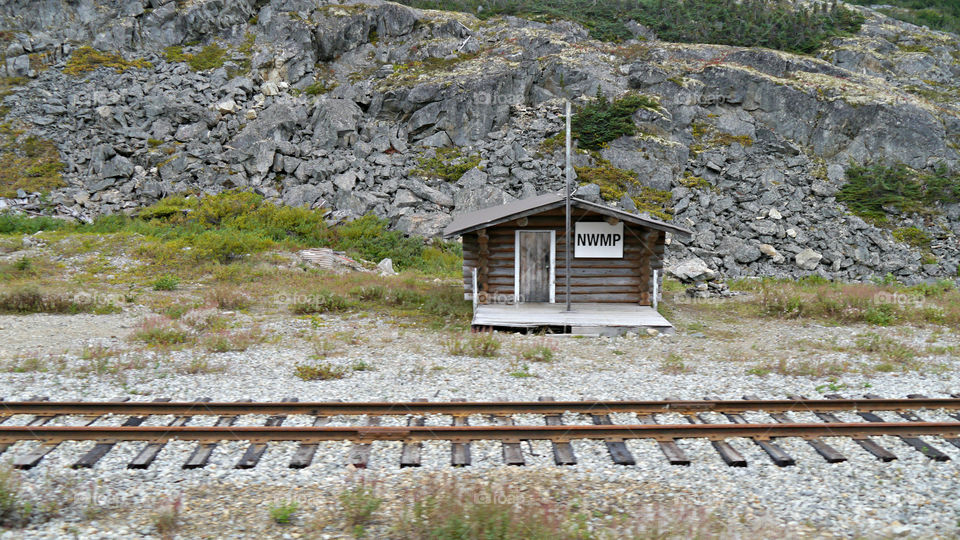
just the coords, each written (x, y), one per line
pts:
(646, 240)
(569, 179)
(483, 256)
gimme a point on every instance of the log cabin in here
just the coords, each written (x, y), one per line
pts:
(514, 266)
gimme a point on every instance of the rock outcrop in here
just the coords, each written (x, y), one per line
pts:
(343, 105)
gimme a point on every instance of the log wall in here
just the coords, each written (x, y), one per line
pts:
(626, 280)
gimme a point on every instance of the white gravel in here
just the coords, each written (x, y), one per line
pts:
(912, 496)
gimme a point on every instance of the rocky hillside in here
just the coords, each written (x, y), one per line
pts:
(417, 115)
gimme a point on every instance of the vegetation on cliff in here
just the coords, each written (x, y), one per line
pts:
(751, 23)
(935, 14)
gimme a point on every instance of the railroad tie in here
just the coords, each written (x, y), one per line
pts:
(777, 454)
(460, 451)
(410, 451)
(32, 459)
(255, 451)
(829, 453)
(88, 460)
(674, 454)
(359, 456)
(914, 418)
(919, 444)
(152, 450)
(37, 420)
(866, 443)
(562, 451)
(201, 454)
(618, 450)
(512, 452)
(305, 453)
(727, 453)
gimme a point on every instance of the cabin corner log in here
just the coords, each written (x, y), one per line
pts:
(483, 269)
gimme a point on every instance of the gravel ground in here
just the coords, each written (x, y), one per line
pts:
(912, 497)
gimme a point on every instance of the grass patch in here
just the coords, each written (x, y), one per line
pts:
(283, 513)
(541, 352)
(86, 59)
(358, 505)
(870, 190)
(673, 364)
(478, 345)
(320, 371)
(447, 163)
(161, 332)
(31, 299)
(166, 283)
(224, 228)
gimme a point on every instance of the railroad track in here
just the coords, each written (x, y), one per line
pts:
(155, 423)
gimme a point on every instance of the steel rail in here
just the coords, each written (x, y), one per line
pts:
(564, 433)
(181, 408)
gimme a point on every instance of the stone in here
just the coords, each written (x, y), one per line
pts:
(227, 106)
(774, 214)
(808, 259)
(269, 89)
(386, 267)
(771, 252)
(692, 270)
(428, 193)
(302, 195)
(345, 181)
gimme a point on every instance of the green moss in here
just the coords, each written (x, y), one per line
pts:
(913, 236)
(615, 183)
(694, 182)
(29, 162)
(914, 48)
(447, 163)
(87, 59)
(210, 57)
(726, 139)
(320, 87)
(408, 74)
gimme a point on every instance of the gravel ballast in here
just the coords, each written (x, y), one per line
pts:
(912, 496)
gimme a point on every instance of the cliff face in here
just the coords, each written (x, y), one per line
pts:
(344, 106)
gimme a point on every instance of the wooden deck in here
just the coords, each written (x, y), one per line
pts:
(606, 319)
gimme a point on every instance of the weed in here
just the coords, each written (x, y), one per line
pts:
(319, 372)
(542, 352)
(283, 512)
(166, 283)
(14, 510)
(358, 504)
(481, 345)
(224, 341)
(166, 518)
(228, 298)
(30, 299)
(362, 365)
(209, 57)
(199, 365)
(322, 302)
(673, 364)
(161, 332)
(521, 372)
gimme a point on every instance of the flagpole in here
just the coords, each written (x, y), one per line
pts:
(568, 172)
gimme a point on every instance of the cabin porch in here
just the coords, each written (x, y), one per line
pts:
(584, 317)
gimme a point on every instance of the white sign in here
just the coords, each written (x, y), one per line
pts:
(598, 239)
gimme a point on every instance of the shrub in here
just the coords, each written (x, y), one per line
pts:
(869, 191)
(936, 14)
(30, 299)
(30, 163)
(14, 510)
(319, 372)
(602, 121)
(283, 512)
(166, 283)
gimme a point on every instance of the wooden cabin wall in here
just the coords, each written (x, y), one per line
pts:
(626, 280)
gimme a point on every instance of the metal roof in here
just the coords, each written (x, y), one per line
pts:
(494, 215)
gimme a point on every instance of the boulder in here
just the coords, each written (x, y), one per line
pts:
(692, 270)
(808, 259)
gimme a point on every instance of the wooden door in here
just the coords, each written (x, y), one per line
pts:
(535, 266)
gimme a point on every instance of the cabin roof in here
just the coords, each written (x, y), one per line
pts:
(494, 215)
